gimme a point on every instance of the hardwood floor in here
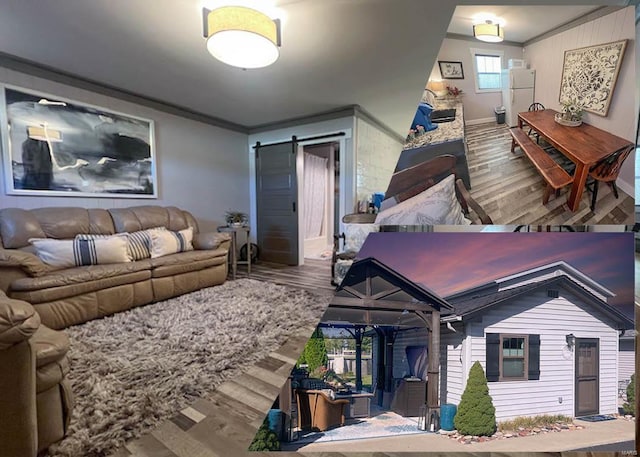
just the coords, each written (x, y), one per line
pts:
(313, 275)
(510, 190)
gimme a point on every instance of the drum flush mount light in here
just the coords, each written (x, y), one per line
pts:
(488, 31)
(241, 36)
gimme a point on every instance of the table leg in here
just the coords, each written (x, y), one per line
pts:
(248, 255)
(519, 122)
(234, 254)
(579, 181)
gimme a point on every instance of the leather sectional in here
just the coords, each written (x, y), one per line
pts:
(35, 398)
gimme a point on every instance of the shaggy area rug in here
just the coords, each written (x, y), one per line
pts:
(132, 370)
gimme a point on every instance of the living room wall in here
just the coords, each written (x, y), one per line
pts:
(547, 57)
(201, 168)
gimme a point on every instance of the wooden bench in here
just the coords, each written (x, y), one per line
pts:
(555, 176)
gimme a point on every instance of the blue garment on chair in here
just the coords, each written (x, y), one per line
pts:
(423, 117)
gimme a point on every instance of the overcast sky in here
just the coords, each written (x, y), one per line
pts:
(450, 262)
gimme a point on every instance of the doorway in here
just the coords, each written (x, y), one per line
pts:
(319, 199)
(587, 376)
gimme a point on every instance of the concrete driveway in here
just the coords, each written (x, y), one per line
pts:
(593, 434)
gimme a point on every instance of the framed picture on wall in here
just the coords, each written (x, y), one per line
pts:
(589, 76)
(451, 70)
(57, 147)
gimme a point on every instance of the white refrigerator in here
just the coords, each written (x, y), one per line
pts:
(517, 92)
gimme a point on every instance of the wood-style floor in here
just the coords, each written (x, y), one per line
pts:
(224, 423)
(313, 275)
(510, 190)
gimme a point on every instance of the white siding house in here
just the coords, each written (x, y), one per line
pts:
(626, 357)
(547, 339)
(553, 392)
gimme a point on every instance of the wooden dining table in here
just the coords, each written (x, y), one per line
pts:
(584, 145)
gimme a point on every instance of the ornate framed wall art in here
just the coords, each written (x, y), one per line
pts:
(589, 75)
(57, 147)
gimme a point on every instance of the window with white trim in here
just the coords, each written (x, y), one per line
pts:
(487, 69)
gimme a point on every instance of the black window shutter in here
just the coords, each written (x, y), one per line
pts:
(534, 357)
(493, 356)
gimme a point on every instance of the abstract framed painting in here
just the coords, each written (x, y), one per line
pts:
(58, 147)
(589, 76)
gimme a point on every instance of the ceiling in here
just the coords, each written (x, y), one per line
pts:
(373, 53)
(521, 23)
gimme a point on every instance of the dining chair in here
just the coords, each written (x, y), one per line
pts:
(607, 170)
(536, 107)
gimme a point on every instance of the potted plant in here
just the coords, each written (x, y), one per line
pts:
(236, 218)
(571, 114)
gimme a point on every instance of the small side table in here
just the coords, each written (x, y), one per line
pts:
(233, 230)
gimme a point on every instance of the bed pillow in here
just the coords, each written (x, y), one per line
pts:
(356, 234)
(437, 205)
(165, 242)
(75, 253)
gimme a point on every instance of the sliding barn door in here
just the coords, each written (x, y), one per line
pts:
(277, 205)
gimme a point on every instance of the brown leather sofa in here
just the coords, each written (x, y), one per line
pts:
(35, 398)
(64, 297)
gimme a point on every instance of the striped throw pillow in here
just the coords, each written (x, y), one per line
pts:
(165, 242)
(138, 243)
(76, 253)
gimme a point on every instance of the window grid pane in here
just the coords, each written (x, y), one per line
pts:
(488, 71)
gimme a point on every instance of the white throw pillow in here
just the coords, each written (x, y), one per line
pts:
(437, 205)
(165, 242)
(356, 234)
(75, 253)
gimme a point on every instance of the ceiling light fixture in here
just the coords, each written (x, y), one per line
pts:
(488, 31)
(242, 37)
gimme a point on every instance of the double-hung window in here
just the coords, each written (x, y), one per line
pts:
(487, 69)
(512, 357)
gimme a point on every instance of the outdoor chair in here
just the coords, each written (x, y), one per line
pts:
(607, 170)
(318, 412)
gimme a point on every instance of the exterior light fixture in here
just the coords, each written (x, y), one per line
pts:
(241, 37)
(571, 340)
(488, 31)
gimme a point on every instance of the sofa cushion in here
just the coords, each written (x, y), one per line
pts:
(138, 218)
(78, 275)
(437, 205)
(184, 262)
(164, 242)
(17, 226)
(28, 262)
(79, 252)
(63, 222)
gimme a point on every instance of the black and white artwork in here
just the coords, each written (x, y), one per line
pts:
(450, 70)
(56, 147)
(589, 76)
